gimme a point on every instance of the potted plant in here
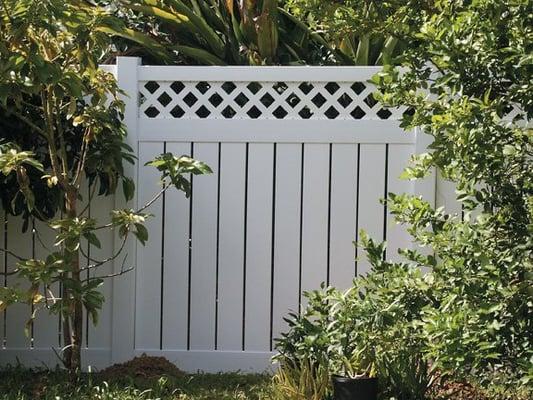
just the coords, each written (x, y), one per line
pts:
(358, 380)
(352, 354)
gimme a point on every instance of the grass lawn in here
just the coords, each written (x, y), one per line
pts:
(151, 378)
(22, 384)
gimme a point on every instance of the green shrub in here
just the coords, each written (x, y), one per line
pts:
(371, 329)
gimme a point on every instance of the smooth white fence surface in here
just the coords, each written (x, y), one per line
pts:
(301, 157)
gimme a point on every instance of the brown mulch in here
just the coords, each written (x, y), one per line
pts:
(446, 389)
(142, 367)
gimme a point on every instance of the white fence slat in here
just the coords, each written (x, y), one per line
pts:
(259, 247)
(86, 248)
(397, 235)
(148, 269)
(17, 314)
(315, 205)
(287, 234)
(425, 187)
(343, 214)
(231, 245)
(176, 262)
(446, 197)
(46, 325)
(371, 190)
(123, 303)
(99, 335)
(204, 243)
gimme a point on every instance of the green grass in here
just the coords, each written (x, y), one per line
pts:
(22, 384)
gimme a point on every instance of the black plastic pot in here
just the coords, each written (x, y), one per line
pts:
(363, 388)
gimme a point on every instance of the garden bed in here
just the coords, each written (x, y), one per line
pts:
(147, 378)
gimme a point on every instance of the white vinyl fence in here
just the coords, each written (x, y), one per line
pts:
(301, 157)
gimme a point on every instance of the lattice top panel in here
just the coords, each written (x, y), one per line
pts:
(261, 100)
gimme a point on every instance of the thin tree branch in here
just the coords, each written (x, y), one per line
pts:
(59, 128)
(50, 137)
(121, 272)
(99, 263)
(12, 254)
(91, 195)
(11, 273)
(140, 210)
(155, 198)
(39, 239)
(84, 151)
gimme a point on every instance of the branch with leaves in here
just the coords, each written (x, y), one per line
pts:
(70, 113)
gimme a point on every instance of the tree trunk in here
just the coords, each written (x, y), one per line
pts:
(73, 330)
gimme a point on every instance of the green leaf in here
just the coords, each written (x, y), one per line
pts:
(128, 188)
(141, 233)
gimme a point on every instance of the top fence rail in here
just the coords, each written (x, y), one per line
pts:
(244, 74)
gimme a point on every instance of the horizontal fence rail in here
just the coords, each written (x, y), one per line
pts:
(301, 157)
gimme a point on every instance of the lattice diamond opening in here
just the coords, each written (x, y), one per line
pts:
(177, 112)
(164, 99)
(177, 87)
(267, 100)
(241, 100)
(228, 87)
(216, 99)
(261, 100)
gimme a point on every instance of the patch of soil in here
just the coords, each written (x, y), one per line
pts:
(142, 367)
(446, 389)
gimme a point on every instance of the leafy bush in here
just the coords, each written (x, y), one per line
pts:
(218, 32)
(466, 76)
(371, 329)
(475, 60)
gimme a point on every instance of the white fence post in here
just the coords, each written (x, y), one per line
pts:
(124, 286)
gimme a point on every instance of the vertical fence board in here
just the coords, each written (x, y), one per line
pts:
(397, 235)
(231, 245)
(86, 248)
(176, 262)
(204, 243)
(315, 216)
(287, 234)
(148, 270)
(371, 190)
(124, 290)
(18, 315)
(343, 214)
(259, 247)
(46, 325)
(446, 197)
(99, 335)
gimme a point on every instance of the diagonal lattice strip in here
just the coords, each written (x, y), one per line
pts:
(261, 100)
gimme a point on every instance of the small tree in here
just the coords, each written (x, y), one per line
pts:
(71, 111)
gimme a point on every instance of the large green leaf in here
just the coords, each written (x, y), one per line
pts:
(146, 41)
(200, 55)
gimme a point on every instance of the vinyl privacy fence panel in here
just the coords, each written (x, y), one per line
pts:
(301, 158)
